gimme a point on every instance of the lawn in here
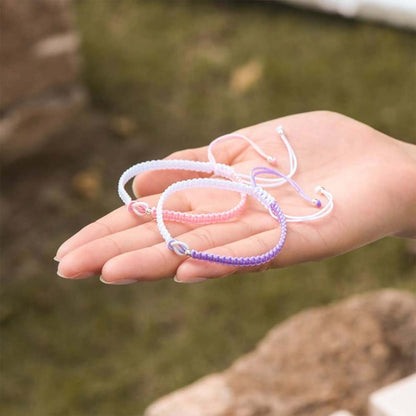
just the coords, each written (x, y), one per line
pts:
(164, 75)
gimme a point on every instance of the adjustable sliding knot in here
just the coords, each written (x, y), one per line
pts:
(179, 247)
(139, 208)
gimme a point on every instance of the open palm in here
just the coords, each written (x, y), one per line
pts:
(370, 176)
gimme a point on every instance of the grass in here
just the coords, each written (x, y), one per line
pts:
(82, 348)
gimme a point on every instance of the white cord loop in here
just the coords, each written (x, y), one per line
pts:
(179, 247)
(139, 208)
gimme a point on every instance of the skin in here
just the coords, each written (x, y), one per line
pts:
(372, 178)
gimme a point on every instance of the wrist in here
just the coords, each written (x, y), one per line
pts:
(407, 191)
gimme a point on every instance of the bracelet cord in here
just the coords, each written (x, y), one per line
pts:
(225, 171)
(219, 169)
(260, 194)
(282, 179)
(265, 182)
(141, 208)
(316, 202)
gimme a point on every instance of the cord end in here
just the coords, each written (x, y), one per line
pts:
(272, 160)
(317, 203)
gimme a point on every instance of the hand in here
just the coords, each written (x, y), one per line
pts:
(371, 176)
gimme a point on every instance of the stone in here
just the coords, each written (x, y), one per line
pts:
(397, 13)
(315, 363)
(28, 126)
(39, 73)
(398, 399)
(28, 66)
(30, 73)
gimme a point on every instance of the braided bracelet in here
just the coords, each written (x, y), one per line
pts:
(314, 201)
(260, 194)
(265, 182)
(218, 169)
(272, 182)
(141, 208)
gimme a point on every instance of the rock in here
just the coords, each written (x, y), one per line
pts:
(39, 73)
(315, 363)
(397, 13)
(39, 69)
(397, 399)
(211, 394)
(341, 413)
(26, 69)
(28, 125)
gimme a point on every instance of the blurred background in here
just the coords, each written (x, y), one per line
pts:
(90, 87)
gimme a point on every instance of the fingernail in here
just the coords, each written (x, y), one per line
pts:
(76, 276)
(193, 280)
(118, 282)
(57, 259)
(60, 252)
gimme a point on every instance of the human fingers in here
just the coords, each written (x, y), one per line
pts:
(116, 221)
(157, 262)
(299, 247)
(88, 259)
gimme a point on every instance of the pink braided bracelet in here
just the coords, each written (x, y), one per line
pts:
(141, 208)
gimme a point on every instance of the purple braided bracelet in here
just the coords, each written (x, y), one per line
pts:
(260, 194)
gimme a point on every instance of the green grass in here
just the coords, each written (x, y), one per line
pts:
(82, 348)
(168, 65)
